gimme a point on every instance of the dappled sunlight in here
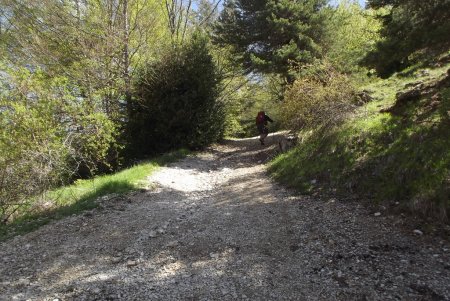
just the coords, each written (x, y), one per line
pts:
(227, 183)
(215, 227)
(169, 270)
(195, 174)
(67, 271)
(184, 180)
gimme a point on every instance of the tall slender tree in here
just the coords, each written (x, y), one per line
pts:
(178, 13)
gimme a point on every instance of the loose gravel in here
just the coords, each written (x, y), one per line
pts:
(215, 227)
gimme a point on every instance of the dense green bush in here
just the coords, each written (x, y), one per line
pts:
(321, 97)
(46, 133)
(176, 103)
(32, 154)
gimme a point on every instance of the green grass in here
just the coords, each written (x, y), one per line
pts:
(83, 195)
(382, 156)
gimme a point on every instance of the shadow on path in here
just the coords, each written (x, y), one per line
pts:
(217, 228)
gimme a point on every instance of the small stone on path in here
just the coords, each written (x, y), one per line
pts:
(418, 232)
(116, 260)
(131, 263)
(172, 244)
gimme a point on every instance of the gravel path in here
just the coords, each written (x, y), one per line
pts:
(215, 227)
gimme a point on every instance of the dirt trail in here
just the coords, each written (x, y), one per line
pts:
(215, 227)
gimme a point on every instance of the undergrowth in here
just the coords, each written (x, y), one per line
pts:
(83, 195)
(403, 157)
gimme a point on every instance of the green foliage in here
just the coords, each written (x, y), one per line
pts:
(351, 33)
(62, 114)
(46, 133)
(32, 155)
(244, 95)
(270, 36)
(321, 97)
(176, 104)
(409, 26)
(96, 47)
(379, 155)
(244, 103)
(83, 195)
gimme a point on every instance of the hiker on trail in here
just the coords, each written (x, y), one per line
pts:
(261, 124)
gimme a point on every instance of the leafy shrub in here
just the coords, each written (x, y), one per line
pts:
(322, 97)
(176, 104)
(46, 133)
(32, 155)
(386, 157)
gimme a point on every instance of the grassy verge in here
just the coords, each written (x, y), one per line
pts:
(386, 157)
(83, 195)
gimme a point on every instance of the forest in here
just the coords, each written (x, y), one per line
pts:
(91, 87)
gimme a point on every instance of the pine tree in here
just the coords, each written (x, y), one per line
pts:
(271, 36)
(408, 26)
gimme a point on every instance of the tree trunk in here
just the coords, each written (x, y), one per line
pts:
(126, 55)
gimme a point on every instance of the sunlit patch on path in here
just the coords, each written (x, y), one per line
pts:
(216, 227)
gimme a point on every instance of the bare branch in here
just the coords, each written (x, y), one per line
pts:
(211, 13)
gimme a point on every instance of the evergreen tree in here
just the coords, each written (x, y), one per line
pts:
(271, 36)
(409, 26)
(176, 104)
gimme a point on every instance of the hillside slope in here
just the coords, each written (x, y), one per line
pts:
(395, 148)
